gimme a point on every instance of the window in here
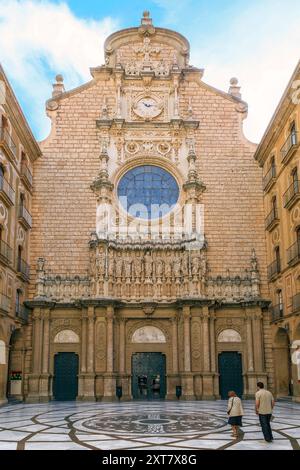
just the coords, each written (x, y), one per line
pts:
(273, 167)
(277, 259)
(280, 302)
(295, 180)
(293, 134)
(18, 301)
(148, 192)
(19, 258)
(1, 172)
(274, 206)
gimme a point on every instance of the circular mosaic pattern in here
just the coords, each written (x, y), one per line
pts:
(153, 423)
(148, 192)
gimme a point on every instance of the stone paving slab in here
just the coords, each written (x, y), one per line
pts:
(148, 425)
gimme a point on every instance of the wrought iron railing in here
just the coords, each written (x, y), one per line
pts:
(293, 253)
(269, 176)
(23, 213)
(23, 268)
(277, 312)
(290, 142)
(296, 303)
(26, 173)
(292, 191)
(6, 137)
(6, 188)
(271, 217)
(5, 252)
(22, 312)
(274, 269)
(4, 302)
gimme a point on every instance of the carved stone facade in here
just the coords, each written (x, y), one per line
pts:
(114, 278)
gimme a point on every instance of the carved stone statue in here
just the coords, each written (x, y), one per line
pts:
(119, 265)
(159, 268)
(137, 267)
(148, 265)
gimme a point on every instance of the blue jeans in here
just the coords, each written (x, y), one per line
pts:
(265, 421)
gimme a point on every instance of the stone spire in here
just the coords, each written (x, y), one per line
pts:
(146, 20)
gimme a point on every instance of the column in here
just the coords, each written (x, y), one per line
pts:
(212, 342)
(122, 345)
(175, 344)
(187, 339)
(205, 330)
(110, 339)
(249, 343)
(46, 343)
(110, 378)
(91, 340)
(257, 341)
(83, 342)
(37, 341)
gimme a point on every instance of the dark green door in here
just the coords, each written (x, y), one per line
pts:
(231, 374)
(65, 383)
(148, 376)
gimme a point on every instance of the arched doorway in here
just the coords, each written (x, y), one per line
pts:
(148, 367)
(282, 363)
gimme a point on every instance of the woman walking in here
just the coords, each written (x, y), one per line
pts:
(235, 412)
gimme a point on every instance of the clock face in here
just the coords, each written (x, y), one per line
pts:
(147, 107)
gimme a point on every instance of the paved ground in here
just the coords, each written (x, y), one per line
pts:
(147, 425)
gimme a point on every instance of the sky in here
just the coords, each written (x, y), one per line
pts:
(257, 41)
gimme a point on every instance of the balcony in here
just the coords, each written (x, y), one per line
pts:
(6, 192)
(274, 270)
(293, 254)
(7, 143)
(22, 313)
(292, 195)
(269, 179)
(5, 253)
(4, 303)
(25, 218)
(289, 148)
(277, 312)
(26, 176)
(296, 303)
(23, 270)
(272, 220)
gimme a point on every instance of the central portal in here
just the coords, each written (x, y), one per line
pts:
(148, 376)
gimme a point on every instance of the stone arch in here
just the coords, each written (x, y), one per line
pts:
(148, 334)
(143, 324)
(229, 335)
(282, 361)
(66, 336)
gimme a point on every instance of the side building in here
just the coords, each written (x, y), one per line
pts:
(18, 151)
(279, 155)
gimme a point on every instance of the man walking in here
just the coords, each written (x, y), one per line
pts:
(264, 404)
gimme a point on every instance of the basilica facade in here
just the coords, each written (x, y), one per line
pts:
(148, 263)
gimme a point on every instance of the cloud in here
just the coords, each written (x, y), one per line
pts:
(39, 39)
(261, 46)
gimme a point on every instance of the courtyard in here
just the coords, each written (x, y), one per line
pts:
(149, 425)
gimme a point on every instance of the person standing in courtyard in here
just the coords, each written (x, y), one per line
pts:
(264, 404)
(235, 412)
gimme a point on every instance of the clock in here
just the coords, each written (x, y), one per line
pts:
(147, 107)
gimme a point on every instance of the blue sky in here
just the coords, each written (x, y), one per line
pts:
(257, 41)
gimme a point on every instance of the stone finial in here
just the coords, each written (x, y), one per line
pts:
(58, 87)
(146, 20)
(234, 88)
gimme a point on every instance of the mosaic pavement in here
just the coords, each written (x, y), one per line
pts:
(147, 425)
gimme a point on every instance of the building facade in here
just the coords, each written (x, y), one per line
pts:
(125, 300)
(18, 151)
(279, 155)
